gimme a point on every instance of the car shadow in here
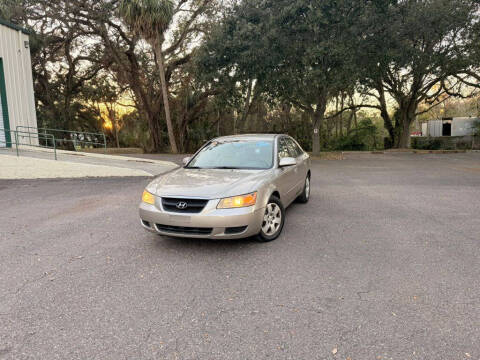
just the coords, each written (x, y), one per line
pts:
(209, 245)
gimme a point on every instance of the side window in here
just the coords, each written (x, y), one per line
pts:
(283, 151)
(299, 148)
(293, 149)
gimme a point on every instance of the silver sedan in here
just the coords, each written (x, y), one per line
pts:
(233, 187)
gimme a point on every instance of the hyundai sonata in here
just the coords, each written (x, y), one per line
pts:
(233, 187)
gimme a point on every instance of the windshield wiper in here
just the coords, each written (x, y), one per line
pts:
(227, 168)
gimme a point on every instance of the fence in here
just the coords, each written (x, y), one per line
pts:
(78, 139)
(18, 135)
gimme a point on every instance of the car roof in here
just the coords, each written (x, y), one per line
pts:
(248, 137)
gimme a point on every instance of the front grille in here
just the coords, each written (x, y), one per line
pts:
(193, 206)
(184, 230)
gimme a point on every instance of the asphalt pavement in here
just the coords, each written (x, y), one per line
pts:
(382, 263)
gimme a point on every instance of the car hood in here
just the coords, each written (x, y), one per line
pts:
(208, 183)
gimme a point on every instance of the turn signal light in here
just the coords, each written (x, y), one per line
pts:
(148, 198)
(238, 201)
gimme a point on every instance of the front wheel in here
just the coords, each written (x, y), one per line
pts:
(273, 220)
(305, 195)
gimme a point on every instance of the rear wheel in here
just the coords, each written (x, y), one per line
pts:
(273, 220)
(305, 195)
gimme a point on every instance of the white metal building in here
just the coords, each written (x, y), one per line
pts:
(17, 102)
(457, 126)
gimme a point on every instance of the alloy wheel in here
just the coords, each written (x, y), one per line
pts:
(272, 219)
(307, 187)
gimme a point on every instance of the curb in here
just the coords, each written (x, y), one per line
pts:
(439, 151)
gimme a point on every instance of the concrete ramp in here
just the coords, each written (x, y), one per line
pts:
(40, 164)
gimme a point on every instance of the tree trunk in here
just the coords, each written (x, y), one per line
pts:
(234, 122)
(182, 132)
(349, 122)
(329, 128)
(112, 114)
(316, 134)
(336, 117)
(403, 141)
(115, 131)
(342, 103)
(117, 141)
(318, 117)
(405, 116)
(286, 109)
(387, 121)
(166, 105)
(353, 115)
(247, 106)
(155, 130)
(405, 119)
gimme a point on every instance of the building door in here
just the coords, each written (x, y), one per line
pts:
(5, 136)
(447, 128)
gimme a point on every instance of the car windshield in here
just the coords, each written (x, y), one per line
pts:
(234, 154)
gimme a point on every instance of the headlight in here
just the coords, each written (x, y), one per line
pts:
(148, 198)
(238, 201)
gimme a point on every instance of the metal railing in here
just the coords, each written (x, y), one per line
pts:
(77, 138)
(18, 134)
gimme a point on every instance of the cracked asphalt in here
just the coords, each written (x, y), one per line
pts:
(382, 263)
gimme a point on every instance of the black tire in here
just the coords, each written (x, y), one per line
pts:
(269, 220)
(305, 195)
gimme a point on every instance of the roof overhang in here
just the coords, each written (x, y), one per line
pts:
(14, 26)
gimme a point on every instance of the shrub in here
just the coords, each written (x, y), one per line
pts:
(428, 143)
(365, 137)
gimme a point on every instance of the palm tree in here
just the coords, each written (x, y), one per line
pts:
(150, 19)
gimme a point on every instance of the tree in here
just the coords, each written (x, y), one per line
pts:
(412, 51)
(297, 52)
(150, 19)
(63, 66)
(133, 65)
(262, 65)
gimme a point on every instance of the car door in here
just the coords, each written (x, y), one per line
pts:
(287, 176)
(301, 172)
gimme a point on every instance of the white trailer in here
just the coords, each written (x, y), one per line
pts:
(464, 126)
(435, 128)
(457, 126)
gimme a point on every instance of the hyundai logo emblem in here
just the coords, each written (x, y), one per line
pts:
(182, 205)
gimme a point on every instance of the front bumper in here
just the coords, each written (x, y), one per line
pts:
(224, 223)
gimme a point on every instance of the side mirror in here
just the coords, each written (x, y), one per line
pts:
(186, 160)
(287, 161)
